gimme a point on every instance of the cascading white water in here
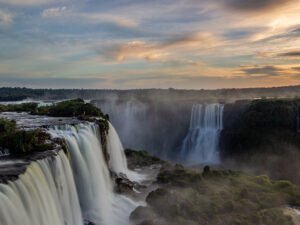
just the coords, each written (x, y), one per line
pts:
(118, 162)
(201, 142)
(69, 190)
(92, 177)
(98, 202)
(44, 195)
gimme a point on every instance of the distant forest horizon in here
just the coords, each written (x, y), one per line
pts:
(154, 94)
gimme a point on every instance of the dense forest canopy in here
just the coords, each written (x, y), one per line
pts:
(17, 94)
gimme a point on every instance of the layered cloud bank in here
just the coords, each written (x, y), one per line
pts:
(159, 43)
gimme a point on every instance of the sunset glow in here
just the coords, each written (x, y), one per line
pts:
(149, 44)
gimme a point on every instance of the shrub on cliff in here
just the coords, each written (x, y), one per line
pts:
(24, 107)
(69, 108)
(19, 141)
(7, 126)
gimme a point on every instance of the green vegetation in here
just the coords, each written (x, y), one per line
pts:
(69, 108)
(75, 107)
(272, 113)
(266, 125)
(15, 94)
(22, 141)
(263, 134)
(213, 197)
(24, 107)
(172, 95)
(216, 197)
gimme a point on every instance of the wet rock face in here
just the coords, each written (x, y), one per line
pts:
(27, 121)
(126, 186)
(12, 167)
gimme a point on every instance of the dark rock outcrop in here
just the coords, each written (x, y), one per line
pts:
(126, 186)
(139, 159)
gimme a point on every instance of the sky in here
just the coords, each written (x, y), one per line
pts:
(126, 44)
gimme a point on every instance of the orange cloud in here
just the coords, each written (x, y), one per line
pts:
(135, 50)
(164, 51)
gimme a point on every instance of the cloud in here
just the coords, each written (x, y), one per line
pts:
(256, 5)
(134, 50)
(103, 17)
(284, 36)
(296, 68)
(28, 2)
(52, 12)
(198, 39)
(6, 18)
(160, 50)
(263, 70)
(290, 54)
(46, 82)
(66, 14)
(186, 38)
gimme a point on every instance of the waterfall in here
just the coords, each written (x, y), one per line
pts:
(63, 190)
(99, 203)
(118, 162)
(201, 142)
(92, 177)
(44, 195)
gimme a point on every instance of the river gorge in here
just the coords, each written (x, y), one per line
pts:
(88, 178)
